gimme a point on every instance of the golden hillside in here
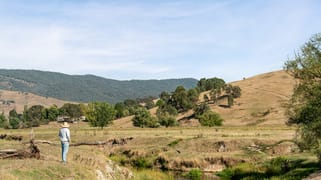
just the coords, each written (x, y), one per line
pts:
(17, 100)
(262, 102)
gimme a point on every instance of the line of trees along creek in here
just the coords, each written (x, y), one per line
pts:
(102, 114)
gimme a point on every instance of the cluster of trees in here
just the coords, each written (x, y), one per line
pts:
(37, 115)
(182, 100)
(304, 108)
(130, 106)
(98, 114)
(169, 105)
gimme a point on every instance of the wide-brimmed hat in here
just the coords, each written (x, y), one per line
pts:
(65, 124)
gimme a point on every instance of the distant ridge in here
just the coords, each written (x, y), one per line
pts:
(85, 88)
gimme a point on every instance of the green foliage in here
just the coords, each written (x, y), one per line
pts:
(165, 96)
(210, 118)
(230, 100)
(148, 102)
(304, 107)
(33, 117)
(143, 119)
(14, 123)
(100, 114)
(131, 106)
(86, 88)
(194, 174)
(52, 113)
(181, 100)
(201, 109)
(166, 110)
(276, 168)
(13, 113)
(209, 84)
(3, 120)
(193, 95)
(120, 110)
(167, 120)
(160, 103)
(236, 91)
(71, 110)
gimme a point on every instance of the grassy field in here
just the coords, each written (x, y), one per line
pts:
(146, 151)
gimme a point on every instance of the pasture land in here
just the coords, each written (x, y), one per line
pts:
(147, 151)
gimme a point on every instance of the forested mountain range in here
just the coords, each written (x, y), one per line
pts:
(86, 88)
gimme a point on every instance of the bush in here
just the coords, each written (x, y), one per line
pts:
(201, 109)
(14, 123)
(167, 120)
(210, 118)
(143, 118)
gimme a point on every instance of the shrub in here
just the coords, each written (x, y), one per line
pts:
(143, 118)
(201, 109)
(210, 118)
(167, 120)
(14, 123)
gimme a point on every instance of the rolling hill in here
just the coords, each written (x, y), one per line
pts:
(262, 102)
(85, 88)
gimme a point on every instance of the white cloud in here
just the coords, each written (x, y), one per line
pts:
(148, 39)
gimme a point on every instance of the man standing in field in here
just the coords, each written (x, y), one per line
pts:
(64, 135)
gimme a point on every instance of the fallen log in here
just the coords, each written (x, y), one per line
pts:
(41, 141)
(120, 141)
(32, 152)
(90, 143)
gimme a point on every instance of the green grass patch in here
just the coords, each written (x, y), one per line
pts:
(276, 168)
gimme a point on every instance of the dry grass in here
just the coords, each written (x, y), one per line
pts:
(195, 147)
(262, 100)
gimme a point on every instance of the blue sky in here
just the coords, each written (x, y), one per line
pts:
(159, 39)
